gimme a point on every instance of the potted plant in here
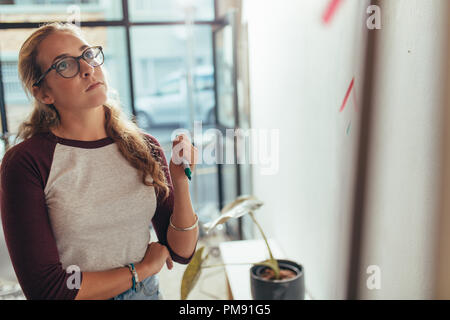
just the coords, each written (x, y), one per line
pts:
(271, 279)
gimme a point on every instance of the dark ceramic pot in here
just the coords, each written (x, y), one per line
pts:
(288, 289)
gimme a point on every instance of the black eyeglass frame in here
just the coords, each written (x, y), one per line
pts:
(77, 59)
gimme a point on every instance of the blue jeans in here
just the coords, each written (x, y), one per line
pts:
(149, 290)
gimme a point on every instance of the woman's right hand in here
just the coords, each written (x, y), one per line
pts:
(154, 259)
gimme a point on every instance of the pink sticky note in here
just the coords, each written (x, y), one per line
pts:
(330, 10)
(347, 95)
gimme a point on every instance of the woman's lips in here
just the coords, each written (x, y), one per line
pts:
(96, 85)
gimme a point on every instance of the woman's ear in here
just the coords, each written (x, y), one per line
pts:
(40, 93)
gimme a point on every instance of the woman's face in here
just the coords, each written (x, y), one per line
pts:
(69, 94)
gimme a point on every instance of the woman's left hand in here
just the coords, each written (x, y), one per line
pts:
(182, 148)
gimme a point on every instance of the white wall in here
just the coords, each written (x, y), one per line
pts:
(404, 169)
(299, 73)
(300, 70)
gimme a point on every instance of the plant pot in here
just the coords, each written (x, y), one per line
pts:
(287, 289)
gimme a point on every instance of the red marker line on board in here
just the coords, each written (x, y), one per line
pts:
(347, 95)
(330, 11)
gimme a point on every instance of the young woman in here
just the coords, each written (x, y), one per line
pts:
(79, 193)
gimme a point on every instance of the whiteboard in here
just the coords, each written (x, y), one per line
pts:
(306, 80)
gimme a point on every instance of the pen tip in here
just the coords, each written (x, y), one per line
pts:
(188, 173)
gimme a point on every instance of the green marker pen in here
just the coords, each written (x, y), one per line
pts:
(187, 168)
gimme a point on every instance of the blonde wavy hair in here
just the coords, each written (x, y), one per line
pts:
(141, 153)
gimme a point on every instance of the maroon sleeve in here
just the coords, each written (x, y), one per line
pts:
(164, 209)
(27, 229)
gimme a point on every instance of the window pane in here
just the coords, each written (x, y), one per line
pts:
(17, 104)
(161, 76)
(59, 10)
(160, 60)
(225, 77)
(169, 10)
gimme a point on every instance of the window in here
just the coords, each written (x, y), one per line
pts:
(166, 100)
(146, 59)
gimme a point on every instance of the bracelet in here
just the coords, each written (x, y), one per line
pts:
(185, 229)
(135, 277)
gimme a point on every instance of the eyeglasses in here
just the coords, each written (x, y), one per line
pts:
(69, 67)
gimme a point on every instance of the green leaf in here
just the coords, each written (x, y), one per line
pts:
(239, 207)
(237, 201)
(192, 273)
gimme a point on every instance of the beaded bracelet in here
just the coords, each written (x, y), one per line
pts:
(135, 277)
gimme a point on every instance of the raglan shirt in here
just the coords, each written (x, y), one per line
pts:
(76, 203)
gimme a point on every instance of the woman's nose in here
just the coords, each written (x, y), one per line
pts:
(85, 68)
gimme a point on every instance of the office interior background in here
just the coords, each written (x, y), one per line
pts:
(360, 116)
